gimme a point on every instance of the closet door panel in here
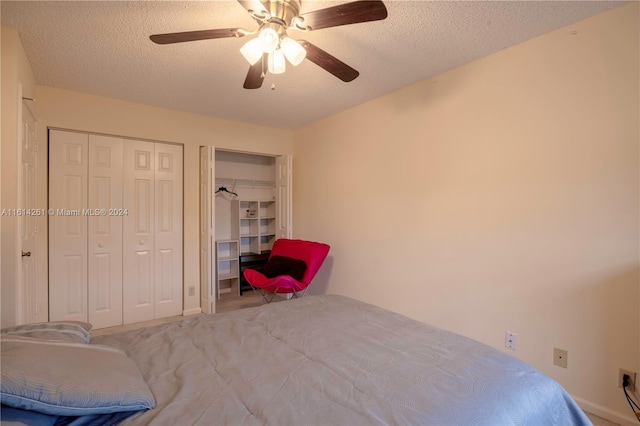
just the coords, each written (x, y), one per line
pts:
(138, 231)
(68, 156)
(168, 230)
(284, 206)
(105, 217)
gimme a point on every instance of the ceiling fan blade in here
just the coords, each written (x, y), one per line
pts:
(328, 62)
(255, 76)
(195, 35)
(344, 14)
(255, 8)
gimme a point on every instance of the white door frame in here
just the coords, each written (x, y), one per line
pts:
(284, 199)
(284, 196)
(26, 292)
(207, 229)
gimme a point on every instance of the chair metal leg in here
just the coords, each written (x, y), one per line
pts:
(263, 295)
(265, 299)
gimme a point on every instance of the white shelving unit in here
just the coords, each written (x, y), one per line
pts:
(267, 224)
(227, 267)
(253, 224)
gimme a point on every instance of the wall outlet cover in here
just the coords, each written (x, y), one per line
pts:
(560, 357)
(632, 379)
(511, 340)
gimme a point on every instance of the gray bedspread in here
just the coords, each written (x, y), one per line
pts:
(331, 360)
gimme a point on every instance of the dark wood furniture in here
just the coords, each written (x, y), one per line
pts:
(254, 261)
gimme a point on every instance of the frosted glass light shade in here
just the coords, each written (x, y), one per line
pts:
(252, 50)
(293, 51)
(277, 64)
(268, 39)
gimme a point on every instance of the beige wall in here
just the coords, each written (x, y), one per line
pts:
(15, 71)
(501, 195)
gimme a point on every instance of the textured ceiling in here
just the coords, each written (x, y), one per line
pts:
(103, 48)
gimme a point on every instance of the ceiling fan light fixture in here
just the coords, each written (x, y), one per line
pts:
(293, 51)
(276, 62)
(252, 50)
(274, 18)
(269, 40)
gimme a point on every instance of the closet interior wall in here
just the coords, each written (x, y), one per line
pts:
(241, 179)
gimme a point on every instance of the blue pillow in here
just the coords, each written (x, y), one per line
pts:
(10, 415)
(15, 416)
(70, 379)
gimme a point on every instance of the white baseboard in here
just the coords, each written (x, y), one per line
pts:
(192, 311)
(605, 413)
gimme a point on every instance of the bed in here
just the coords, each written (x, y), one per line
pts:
(323, 360)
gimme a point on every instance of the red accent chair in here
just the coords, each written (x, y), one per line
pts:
(312, 253)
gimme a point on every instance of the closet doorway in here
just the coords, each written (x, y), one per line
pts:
(245, 205)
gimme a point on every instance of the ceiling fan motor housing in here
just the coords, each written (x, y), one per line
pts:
(282, 11)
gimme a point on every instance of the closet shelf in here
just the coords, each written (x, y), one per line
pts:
(245, 183)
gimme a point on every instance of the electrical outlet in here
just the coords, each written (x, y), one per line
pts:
(560, 357)
(510, 340)
(192, 291)
(632, 379)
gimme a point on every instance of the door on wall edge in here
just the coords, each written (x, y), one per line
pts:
(207, 229)
(284, 204)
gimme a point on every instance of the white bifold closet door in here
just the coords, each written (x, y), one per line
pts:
(68, 233)
(152, 231)
(85, 252)
(113, 204)
(104, 223)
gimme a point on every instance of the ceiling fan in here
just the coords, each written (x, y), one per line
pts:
(268, 50)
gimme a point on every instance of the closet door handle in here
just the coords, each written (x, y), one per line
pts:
(141, 242)
(26, 253)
